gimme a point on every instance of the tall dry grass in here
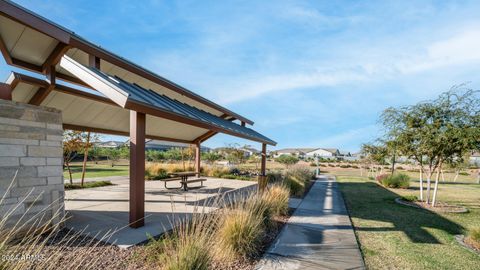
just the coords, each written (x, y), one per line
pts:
(235, 231)
(157, 171)
(34, 239)
(277, 197)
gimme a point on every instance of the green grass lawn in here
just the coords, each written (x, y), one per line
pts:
(97, 170)
(393, 236)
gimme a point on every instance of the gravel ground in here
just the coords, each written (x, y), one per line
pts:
(94, 254)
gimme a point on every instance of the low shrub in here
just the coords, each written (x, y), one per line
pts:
(410, 198)
(399, 168)
(473, 237)
(475, 234)
(157, 171)
(381, 177)
(95, 184)
(398, 180)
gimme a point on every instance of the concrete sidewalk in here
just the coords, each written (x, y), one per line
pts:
(319, 235)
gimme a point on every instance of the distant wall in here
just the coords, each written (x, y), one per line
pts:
(31, 146)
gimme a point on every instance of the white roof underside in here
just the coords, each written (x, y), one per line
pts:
(86, 112)
(34, 47)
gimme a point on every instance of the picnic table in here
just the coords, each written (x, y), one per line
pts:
(183, 177)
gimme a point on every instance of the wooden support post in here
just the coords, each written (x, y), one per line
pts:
(43, 92)
(198, 156)
(93, 61)
(137, 169)
(5, 91)
(262, 178)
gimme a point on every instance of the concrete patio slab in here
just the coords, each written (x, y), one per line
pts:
(104, 210)
(319, 234)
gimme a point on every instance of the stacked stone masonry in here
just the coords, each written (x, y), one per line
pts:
(31, 173)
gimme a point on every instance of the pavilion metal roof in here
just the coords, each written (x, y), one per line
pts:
(30, 41)
(132, 96)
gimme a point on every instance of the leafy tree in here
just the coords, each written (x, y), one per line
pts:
(438, 131)
(72, 144)
(113, 155)
(211, 157)
(95, 153)
(155, 155)
(173, 154)
(87, 143)
(235, 155)
(375, 155)
(287, 160)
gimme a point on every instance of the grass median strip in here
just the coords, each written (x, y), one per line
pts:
(393, 236)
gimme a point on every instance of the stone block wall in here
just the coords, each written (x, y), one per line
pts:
(31, 149)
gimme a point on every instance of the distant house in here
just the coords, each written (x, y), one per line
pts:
(291, 152)
(475, 158)
(325, 153)
(165, 146)
(110, 144)
(250, 151)
(247, 151)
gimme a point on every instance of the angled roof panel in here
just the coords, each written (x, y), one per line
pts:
(36, 38)
(135, 97)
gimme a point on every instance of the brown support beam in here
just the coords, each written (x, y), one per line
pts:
(262, 178)
(137, 169)
(25, 65)
(5, 91)
(263, 167)
(5, 53)
(55, 56)
(197, 158)
(243, 124)
(211, 133)
(93, 61)
(120, 133)
(43, 92)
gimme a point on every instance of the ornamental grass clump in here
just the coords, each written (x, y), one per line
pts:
(297, 178)
(242, 229)
(473, 238)
(398, 180)
(188, 246)
(277, 197)
(34, 239)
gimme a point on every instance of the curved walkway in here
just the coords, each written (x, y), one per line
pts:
(319, 235)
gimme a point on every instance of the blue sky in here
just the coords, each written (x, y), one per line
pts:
(309, 73)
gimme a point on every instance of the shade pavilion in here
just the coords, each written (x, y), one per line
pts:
(99, 91)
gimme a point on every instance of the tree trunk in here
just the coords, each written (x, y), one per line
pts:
(435, 190)
(429, 177)
(69, 172)
(421, 183)
(457, 172)
(85, 157)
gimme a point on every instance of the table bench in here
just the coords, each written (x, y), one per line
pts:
(183, 178)
(165, 180)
